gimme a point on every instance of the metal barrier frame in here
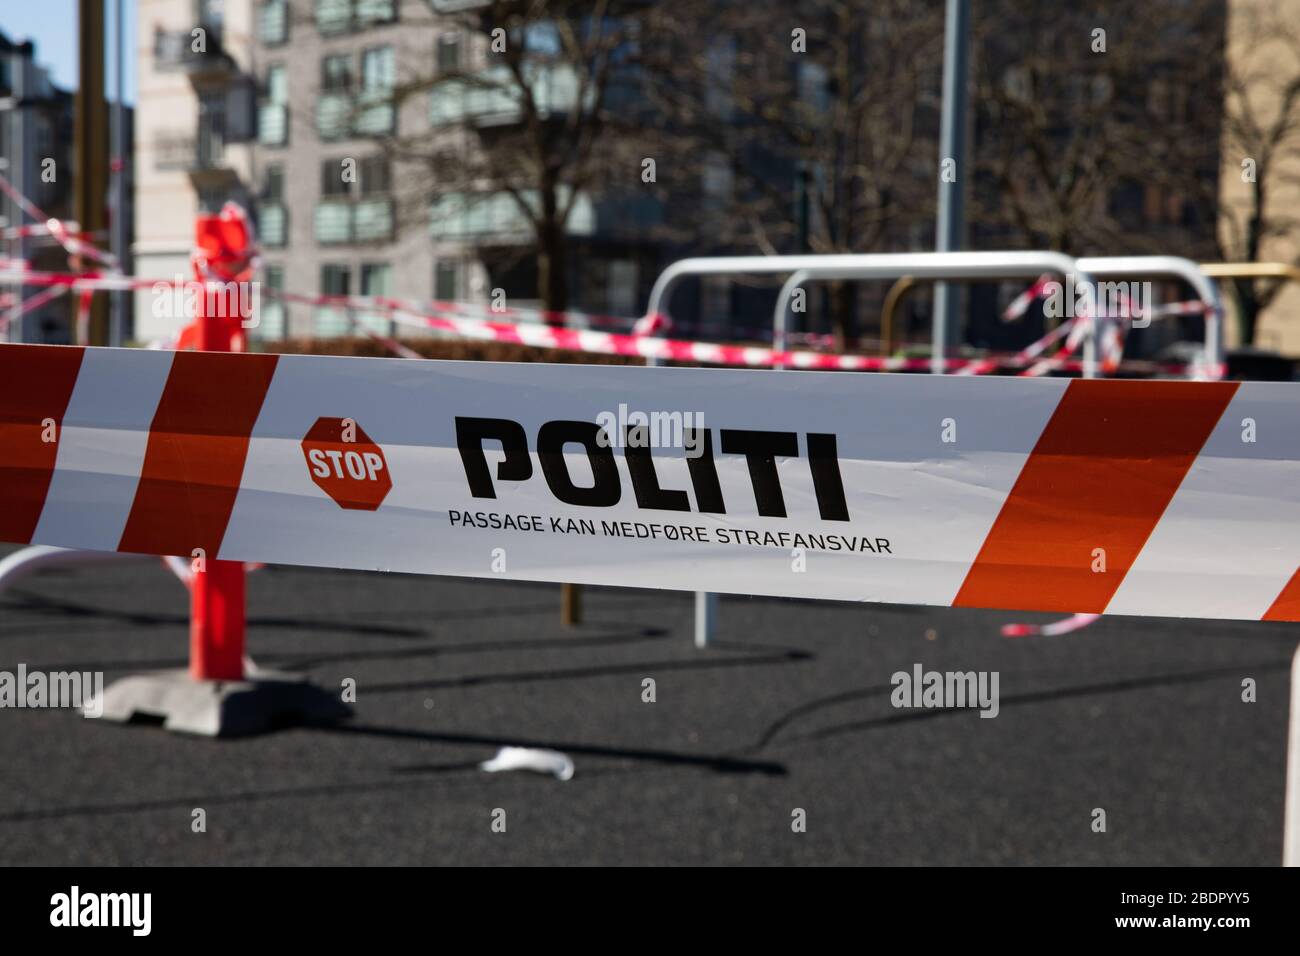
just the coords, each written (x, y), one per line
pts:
(1200, 278)
(1283, 271)
(1177, 267)
(885, 265)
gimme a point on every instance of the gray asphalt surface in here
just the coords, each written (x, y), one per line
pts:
(1143, 718)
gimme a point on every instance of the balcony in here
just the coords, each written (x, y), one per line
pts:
(341, 115)
(334, 17)
(343, 222)
(173, 52)
(173, 151)
(202, 156)
(496, 217)
(492, 96)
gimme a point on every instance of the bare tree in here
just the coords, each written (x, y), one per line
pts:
(1260, 152)
(538, 109)
(828, 106)
(1087, 137)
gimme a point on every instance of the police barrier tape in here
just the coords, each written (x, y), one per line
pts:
(441, 317)
(1129, 497)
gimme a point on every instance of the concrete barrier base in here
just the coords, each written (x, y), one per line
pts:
(265, 700)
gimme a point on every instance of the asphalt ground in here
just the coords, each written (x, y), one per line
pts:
(791, 709)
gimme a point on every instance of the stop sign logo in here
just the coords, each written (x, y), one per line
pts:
(346, 464)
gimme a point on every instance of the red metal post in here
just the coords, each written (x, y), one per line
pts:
(217, 622)
(217, 613)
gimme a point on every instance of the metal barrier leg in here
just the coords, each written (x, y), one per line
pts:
(570, 604)
(1291, 826)
(706, 618)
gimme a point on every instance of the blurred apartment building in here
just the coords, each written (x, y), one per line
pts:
(36, 156)
(264, 102)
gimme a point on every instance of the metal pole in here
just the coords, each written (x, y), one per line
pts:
(952, 146)
(781, 318)
(19, 176)
(706, 618)
(91, 143)
(570, 604)
(117, 319)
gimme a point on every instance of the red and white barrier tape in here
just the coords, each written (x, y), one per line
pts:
(73, 243)
(590, 340)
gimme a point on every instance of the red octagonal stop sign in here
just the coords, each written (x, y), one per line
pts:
(346, 464)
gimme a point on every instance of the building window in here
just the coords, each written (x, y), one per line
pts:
(277, 84)
(378, 69)
(333, 320)
(447, 53)
(272, 214)
(376, 176)
(336, 73)
(333, 222)
(378, 76)
(376, 11)
(336, 280)
(446, 280)
(212, 17)
(373, 220)
(543, 37)
(273, 219)
(273, 114)
(271, 320)
(333, 16)
(376, 278)
(332, 182)
(273, 22)
(211, 147)
(334, 106)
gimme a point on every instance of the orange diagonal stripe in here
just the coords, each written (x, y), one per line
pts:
(36, 383)
(195, 458)
(1104, 470)
(1287, 605)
